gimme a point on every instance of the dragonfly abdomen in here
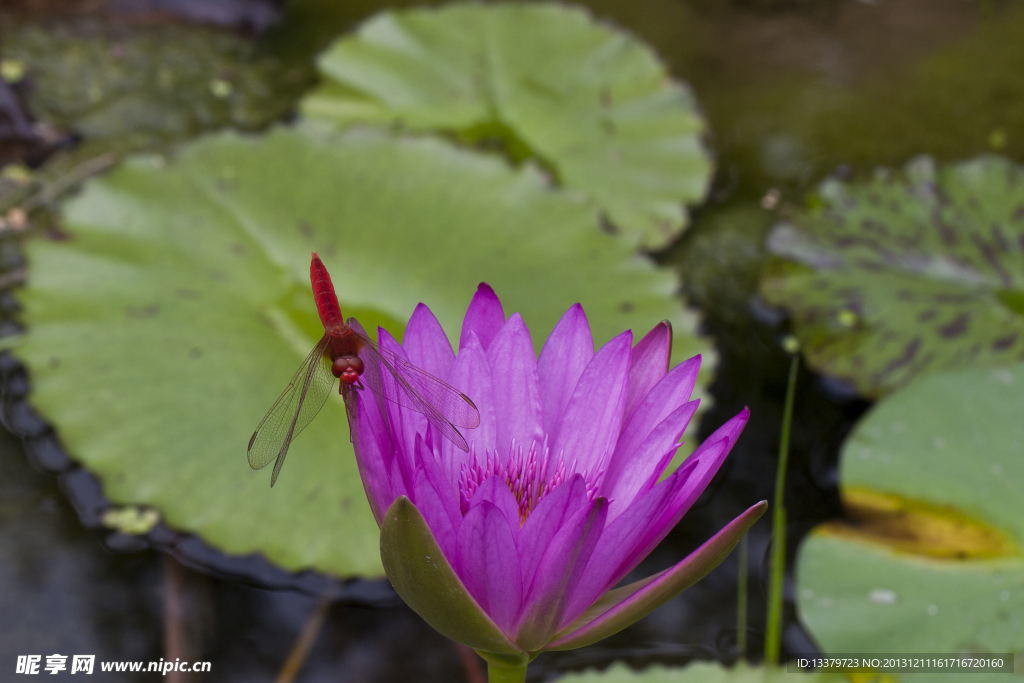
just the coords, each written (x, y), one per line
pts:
(323, 293)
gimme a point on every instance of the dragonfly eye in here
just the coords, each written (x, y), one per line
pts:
(347, 368)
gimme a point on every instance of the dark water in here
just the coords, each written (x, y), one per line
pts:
(793, 90)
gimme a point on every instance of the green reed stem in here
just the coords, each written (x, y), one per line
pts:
(773, 633)
(741, 601)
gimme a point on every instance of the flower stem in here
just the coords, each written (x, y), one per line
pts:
(499, 673)
(741, 602)
(773, 633)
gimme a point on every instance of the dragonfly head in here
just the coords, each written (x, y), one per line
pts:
(347, 368)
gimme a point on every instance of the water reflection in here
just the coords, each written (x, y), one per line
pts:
(60, 591)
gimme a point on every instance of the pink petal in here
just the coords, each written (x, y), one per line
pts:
(591, 422)
(732, 429)
(649, 365)
(405, 423)
(374, 451)
(627, 605)
(427, 345)
(546, 519)
(432, 506)
(665, 398)
(428, 466)
(694, 477)
(496, 492)
(514, 372)
(489, 565)
(639, 472)
(618, 542)
(376, 424)
(708, 457)
(471, 375)
(683, 487)
(566, 354)
(483, 317)
(559, 571)
(402, 478)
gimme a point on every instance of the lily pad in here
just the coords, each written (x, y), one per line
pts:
(142, 86)
(908, 273)
(702, 672)
(178, 306)
(593, 104)
(931, 557)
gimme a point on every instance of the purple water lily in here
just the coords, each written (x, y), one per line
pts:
(516, 546)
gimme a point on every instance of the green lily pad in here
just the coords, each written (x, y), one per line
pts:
(165, 325)
(590, 102)
(931, 558)
(907, 273)
(701, 672)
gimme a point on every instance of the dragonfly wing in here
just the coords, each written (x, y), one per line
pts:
(451, 403)
(396, 379)
(297, 405)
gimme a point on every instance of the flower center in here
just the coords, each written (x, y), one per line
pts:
(525, 474)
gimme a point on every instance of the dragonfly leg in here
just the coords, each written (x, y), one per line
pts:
(351, 397)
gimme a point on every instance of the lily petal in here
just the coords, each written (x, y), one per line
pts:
(374, 451)
(427, 345)
(708, 458)
(649, 365)
(672, 391)
(405, 423)
(565, 355)
(484, 317)
(373, 424)
(471, 375)
(591, 422)
(514, 369)
(496, 492)
(619, 541)
(672, 498)
(640, 471)
(627, 605)
(555, 580)
(437, 500)
(429, 502)
(426, 582)
(489, 565)
(685, 491)
(687, 484)
(545, 521)
(402, 478)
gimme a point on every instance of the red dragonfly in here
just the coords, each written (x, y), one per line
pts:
(346, 353)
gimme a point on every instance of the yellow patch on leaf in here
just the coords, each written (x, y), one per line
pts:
(917, 528)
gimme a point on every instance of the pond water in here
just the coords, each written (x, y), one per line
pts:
(793, 90)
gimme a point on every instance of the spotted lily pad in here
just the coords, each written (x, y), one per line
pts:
(908, 273)
(147, 85)
(593, 104)
(178, 306)
(930, 558)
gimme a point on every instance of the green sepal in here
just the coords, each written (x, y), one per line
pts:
(420, 574)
